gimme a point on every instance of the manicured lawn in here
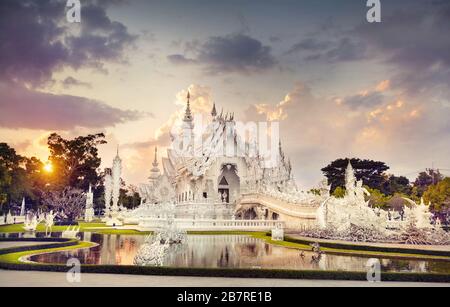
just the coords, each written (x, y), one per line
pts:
(14, 257)
(120, 232)
(18, 228)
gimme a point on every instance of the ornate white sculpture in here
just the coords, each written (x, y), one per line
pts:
(89, 212)
(162, 243)
(116, 177)
(152, 252)
(31, 223)
(353, 209)
(49, 222)
(278, 233)
(22, 208)
(114, 215)
(71, 232)
(108, 194)
(418, 214)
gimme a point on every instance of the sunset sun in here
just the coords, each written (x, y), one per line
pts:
(48, 168)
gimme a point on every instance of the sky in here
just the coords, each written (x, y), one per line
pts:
(339, 86)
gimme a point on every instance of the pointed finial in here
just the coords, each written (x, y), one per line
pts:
(188, 113)
(214, 110)
(156, 157)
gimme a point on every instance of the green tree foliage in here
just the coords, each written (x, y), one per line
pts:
(314, 192)
(339, 192)
(377, 199)
(439, 196)
(19, 177)
(426, 179)
(397, 185)
(372, 173)
(75, 162)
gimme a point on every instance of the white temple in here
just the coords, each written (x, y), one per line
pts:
(213, 175)
(218, 178)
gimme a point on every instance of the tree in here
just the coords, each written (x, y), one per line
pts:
(76, 161)
(68, 203)
(426, 179)
(439, 196)
(19, 177)
(339, 192)
(129, 197)
(396, 185)
(377, 199)
(5, 182)
(12, 176)
(372, 173)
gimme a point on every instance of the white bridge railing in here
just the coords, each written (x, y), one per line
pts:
(212, 225)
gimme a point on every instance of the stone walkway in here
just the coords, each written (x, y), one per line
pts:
(44, 279)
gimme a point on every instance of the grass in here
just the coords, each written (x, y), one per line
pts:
(14, 258)
(121, 232)
(18, 228)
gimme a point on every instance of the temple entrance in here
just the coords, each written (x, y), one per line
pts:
(225, 195)
(229, 183)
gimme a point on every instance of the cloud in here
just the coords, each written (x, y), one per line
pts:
(364, 100)
(179, 59)
(235, 53)
(416, 41)
(24, 108)
(36, 40)
(344, 49)
(71, 82)
(309, 44)
(404, 132)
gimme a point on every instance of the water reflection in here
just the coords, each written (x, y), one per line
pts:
(229, 252)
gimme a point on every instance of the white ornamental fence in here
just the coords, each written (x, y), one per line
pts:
(211, 225)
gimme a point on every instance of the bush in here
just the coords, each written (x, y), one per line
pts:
(368, 248)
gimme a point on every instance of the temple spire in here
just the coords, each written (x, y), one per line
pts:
(155, 173)
(188, 113)
(214, 111)
(155, 162)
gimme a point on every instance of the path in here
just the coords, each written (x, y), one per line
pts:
(44, 279)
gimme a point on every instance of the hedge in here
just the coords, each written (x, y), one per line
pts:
(230, 273)
(366, 248)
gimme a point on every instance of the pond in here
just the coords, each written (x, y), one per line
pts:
(229, 251)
